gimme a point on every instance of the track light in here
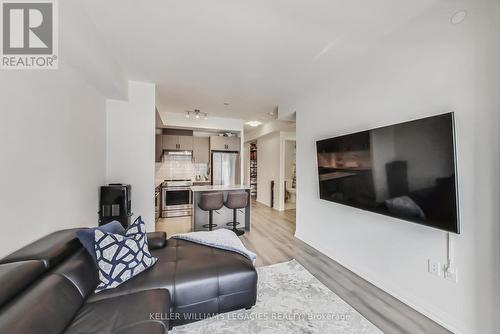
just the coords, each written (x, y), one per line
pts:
(197, 114)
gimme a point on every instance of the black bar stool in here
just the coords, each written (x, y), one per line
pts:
(209, 202)
(236, 200)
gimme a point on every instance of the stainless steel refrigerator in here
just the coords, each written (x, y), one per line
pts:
(225, 168)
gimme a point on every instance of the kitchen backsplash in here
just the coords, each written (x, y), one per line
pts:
(179, 167)
(201, 170)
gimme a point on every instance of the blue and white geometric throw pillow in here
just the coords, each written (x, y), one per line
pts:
(121, 257)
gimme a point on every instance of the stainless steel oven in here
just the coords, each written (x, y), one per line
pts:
(176, 198)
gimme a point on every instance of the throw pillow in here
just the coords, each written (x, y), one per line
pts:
(86, 236)
(121, 257)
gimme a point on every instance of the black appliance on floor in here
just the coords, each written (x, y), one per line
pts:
(115, 203)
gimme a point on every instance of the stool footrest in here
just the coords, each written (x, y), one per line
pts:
(209, 225)
(233, 223)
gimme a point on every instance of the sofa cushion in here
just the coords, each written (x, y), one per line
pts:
(80, 270)
(51, 249)
(200, 279)
(16, 276)
(121, 257)
(141, 312)
(86, 236)
(46, 307)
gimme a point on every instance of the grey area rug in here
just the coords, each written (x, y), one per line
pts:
(289, 300)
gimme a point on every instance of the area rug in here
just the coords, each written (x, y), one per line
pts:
(289, 300)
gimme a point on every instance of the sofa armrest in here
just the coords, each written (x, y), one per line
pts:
(157, 240)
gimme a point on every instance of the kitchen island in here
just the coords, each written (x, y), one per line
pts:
(224, 215)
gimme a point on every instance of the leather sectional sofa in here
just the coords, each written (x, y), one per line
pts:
(48, 287)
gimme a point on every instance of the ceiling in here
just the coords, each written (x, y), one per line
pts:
(251, 55)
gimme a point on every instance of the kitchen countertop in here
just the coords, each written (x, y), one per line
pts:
(219, 188)
(158, 183)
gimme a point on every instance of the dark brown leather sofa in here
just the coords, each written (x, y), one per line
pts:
(48, 287)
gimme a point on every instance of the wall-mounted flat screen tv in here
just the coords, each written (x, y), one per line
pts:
(407, 171)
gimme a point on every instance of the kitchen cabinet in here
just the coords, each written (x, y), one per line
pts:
(185, 143)
(201, 150)
(220, 143)
(182, 143)
(233, 143)
(170, 142)
(158, 148)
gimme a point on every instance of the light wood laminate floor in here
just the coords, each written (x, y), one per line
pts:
(272, 238)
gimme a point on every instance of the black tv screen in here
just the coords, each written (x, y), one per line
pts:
(407, 171)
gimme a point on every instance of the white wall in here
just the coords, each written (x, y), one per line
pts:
(269, 127)
(426, 67)
(246, 164)
(83, 48)
(268, 168)
(285, 137)
(52, 148)
(130, 150)
(289, 158)
(271, 167)
(53, 127)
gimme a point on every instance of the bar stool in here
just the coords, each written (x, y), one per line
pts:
(236, 200)
(209, 202)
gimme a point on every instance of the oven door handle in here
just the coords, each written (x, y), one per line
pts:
(177, 189)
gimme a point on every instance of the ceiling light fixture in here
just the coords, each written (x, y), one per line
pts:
(458, 17)
(197, 114)
(253, 123)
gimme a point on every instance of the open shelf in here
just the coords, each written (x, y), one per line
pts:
(253, 169)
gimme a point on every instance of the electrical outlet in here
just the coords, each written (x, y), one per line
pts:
(434, 268)
(451, 274)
